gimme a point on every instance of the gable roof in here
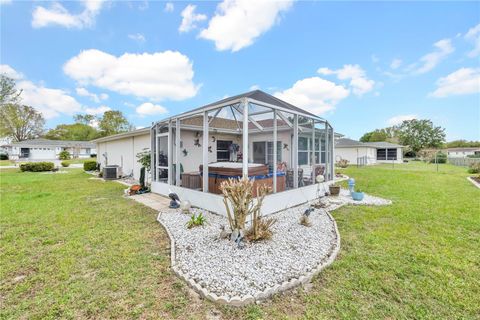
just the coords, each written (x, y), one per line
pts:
(350, 143)
(54, 143)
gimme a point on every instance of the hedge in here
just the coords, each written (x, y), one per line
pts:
(90, 165)
(37, 166)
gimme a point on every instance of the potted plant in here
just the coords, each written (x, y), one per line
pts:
(334, 189)
(357, 195)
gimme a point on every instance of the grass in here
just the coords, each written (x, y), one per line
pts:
(4, 163)
(72, 161)
(74, 248)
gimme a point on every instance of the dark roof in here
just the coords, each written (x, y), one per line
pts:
(56, 143)
(122, 135)
(345, 143)
(384, 144)
(465, 149)
(350, 143)
(260, 96)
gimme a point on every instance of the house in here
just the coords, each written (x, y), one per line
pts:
(122, 149)
(44, 149)
(463, 152)
(253, 135)
(367, 153)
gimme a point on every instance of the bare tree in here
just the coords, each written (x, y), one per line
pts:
(8, 92)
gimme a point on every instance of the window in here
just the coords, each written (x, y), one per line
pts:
(223, 153)
(303, 147)
(88, 151)
(387, 154)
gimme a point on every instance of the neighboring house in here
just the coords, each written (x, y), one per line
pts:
(44, 149)
(193, 152)
(462, 152)
(367, 153)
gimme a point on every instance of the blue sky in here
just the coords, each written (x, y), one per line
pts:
(361, 65)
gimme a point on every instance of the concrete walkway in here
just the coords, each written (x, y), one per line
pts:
(152, 200)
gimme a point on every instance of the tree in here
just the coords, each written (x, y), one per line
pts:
(20, 122)
(420, 134)
(8, 93)
(84, 118)
(386, 134)
(114, 122)
(462, 144)
(75, 131)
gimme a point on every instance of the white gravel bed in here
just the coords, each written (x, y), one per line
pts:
(226, 270)
(220, 267)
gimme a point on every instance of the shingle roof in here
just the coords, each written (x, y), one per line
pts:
(350, 143)
(54, 143)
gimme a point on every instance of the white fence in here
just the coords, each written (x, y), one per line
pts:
(463, 162)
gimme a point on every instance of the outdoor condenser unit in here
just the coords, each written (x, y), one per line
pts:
(112, 172)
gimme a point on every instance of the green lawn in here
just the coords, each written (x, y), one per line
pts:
(4, 163)
(71, 161)
(74, 248)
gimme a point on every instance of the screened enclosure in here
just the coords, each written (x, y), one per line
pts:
(252, 135)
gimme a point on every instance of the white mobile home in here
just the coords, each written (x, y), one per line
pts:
(367, 153)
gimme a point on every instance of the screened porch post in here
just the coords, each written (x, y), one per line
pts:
(245, 139)
(153, 135)
(312, 155)
(332, 146)
(327, 153)
(295, 151)
(274, 150)
(177, 152)
(156, 152)
(205, 151)
(170, 153)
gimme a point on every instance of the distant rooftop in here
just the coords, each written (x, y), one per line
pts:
(350, 143)
(53, 143)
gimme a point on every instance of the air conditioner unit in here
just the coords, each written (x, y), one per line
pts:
(112, 172)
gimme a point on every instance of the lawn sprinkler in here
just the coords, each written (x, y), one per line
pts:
(351, 185)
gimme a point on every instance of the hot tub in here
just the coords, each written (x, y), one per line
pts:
(221, 171)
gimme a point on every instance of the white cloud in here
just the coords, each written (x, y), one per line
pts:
(158, 76)
(50, 102)
(431, 60)
(463, 81)
(238, 23)
(473, 35)
(57, 14)
(169, 7)
(85, 93)
(98, 111)
(254, 87)
(359, 83)
(190, 18)
(8, 71)
(148, 109)
(396, 63)
(138, 37)
(314, 94)
(393, 121)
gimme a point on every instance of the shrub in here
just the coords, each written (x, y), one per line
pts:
(239, 193)
(37, 166)
(342, 163)
(3, 156)
(474, 167)
(196, 221)
(440, 158)
(93, 155)
(90, 165)
(65, 164)
(64, 155)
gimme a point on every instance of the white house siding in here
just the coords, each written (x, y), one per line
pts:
(123, 152)
(353, 153)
